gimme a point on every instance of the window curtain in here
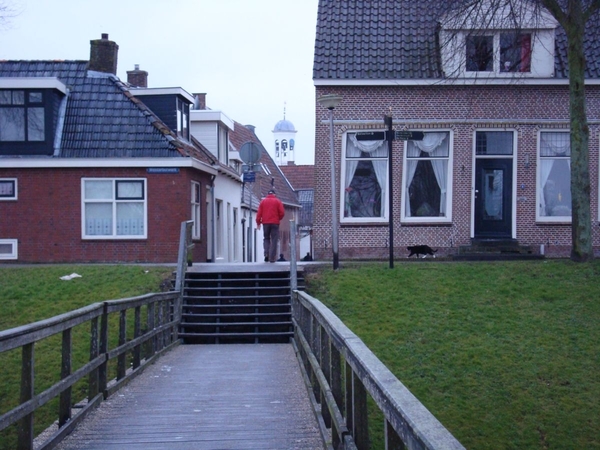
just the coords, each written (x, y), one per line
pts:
(375, 149)
(431, 144)
(551, 145)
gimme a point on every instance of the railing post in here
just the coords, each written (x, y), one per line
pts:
(64, 411)
(151, 325)
(103, 369)
(325, 363)
(93, 385)
(122, 358)
(392, 440)
(293, 264)
(361, 419)
(137, 331)
(25, 427)
(336, 386)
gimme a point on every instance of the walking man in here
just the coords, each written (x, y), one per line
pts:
(270, 212)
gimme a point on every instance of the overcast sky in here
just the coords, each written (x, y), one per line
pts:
(249, 56)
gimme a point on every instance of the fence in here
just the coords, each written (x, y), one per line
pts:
(342, 371)
(107, 324)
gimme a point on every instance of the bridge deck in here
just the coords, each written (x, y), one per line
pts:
(207, 397)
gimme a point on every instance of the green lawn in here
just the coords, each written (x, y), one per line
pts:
(29, 294)
(505, 355)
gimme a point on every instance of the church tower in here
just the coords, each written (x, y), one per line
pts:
(284, 140)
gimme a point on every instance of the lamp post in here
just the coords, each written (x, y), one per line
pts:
(330, 101)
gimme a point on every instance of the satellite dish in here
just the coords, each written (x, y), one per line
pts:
(250, 153)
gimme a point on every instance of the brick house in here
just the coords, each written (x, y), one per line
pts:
(493, 163)
(90, 173)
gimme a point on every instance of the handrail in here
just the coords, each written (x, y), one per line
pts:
(158, 336)
(340, 387)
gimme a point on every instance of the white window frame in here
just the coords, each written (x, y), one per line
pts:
(196, 211)
(538, 188)
(342, 182)
(14, 254)
(449, 184)
(15, 184)
(115, 202)
(496, 72)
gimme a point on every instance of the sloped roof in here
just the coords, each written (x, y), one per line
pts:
(300, 176)
(397, 39)
(242, 134)
(102, 118)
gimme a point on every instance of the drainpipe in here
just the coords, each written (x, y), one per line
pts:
(213, 247)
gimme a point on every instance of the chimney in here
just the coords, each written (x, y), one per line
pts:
(103, 55)
(137, 77)
(251, 128)
(199, 101)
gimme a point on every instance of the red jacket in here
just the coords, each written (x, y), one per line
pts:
(270, 210)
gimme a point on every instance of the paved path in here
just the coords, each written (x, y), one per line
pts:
(207, 397)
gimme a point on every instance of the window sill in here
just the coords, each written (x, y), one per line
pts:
(445, 223)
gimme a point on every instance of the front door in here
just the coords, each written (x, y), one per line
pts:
(493, 198)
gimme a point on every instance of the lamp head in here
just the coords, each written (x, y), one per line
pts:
(329, 101)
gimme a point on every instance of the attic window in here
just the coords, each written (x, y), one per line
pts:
(21, 116)
(499, 53)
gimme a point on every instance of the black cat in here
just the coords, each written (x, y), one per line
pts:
(421, 250)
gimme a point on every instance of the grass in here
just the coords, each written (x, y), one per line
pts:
(505, 355)
(29, 294)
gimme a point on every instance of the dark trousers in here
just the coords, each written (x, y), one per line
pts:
(270, 240)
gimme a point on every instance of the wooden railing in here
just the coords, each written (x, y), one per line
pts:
(342, 371)
(133, 348)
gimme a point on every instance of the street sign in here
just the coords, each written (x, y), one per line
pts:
(250, 152)
(249, 177)
(406, 135)
(399, 135)
(370, 136)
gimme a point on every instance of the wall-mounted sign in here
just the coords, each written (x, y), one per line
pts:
(163, 170)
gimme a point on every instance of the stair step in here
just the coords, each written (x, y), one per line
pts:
(234, 324)
(237, 307)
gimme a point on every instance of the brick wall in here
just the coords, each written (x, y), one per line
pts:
(46, 218)
(463, 110)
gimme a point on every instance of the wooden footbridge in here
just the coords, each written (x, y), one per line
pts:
(235, 357)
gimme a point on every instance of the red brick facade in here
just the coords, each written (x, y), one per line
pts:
(46, 219)
(462, 110)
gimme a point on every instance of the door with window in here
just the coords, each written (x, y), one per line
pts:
(493, 198)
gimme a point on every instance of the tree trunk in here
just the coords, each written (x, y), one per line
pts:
(582, 249)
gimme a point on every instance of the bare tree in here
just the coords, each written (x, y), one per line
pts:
(580, 20)
(7, 12)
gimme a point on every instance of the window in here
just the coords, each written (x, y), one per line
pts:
(22, 116)
(364, 180)
(499, 53)
(554, 176)
(8, 249)
(114, 208)
(8, 189)
(427, 179)
(196, 210)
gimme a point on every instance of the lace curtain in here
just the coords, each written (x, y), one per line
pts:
(375, 149)
(431, 144)
(551, 145)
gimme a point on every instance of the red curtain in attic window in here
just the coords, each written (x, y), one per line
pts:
(525, 52)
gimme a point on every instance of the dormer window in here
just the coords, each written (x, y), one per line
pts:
(498, 53)
(487, 41)
(22, 116)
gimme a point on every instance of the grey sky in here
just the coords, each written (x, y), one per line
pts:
(249, 56)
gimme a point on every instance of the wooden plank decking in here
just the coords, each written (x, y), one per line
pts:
(207, 397)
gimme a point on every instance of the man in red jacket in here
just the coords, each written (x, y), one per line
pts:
(270, 212)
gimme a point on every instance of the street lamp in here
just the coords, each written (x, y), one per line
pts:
(330, 101)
